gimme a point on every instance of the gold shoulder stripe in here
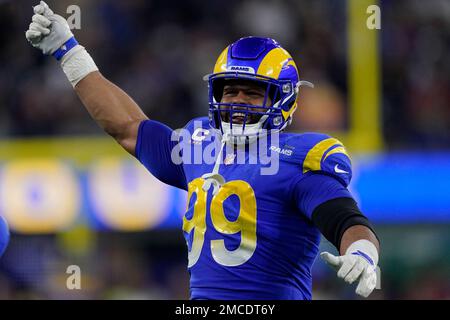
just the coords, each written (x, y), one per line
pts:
(313, 158)
(337, 150)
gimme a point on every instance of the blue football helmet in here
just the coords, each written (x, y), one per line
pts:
(265, 62)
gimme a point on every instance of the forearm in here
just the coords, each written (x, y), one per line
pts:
(113, 110)
(355, 233)
(342, 223)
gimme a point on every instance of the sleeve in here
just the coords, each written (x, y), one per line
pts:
(335, 216)
(313, 189)
(154, 148)
(329, 156)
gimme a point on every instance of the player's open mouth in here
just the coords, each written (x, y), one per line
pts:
(239, 118)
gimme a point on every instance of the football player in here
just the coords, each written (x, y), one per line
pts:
(249, 235)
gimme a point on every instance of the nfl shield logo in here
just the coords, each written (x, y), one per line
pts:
(229, 159)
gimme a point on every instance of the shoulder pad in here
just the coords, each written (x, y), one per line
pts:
(317, 152)
(330, 156)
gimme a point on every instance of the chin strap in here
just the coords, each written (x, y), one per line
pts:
(214, 178)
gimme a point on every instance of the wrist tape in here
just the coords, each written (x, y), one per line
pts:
(77, 64)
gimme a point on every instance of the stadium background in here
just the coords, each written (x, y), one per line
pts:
(73, 197)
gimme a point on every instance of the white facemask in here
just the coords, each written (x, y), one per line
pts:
(240, 135)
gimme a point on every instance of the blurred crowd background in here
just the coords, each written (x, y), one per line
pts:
(158, 52)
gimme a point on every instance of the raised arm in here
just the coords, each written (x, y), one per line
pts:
(113, 110)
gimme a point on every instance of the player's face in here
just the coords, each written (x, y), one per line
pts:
(245, 92)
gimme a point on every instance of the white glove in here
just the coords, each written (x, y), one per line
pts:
(47, 31)
(51, 33)
(358, 263)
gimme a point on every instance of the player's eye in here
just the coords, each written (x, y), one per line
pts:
(254, 93)
(228, 92)
(257, 93)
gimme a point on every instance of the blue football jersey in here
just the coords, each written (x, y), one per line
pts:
(254, 238)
